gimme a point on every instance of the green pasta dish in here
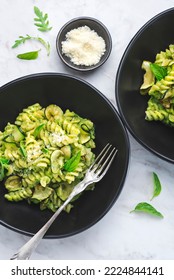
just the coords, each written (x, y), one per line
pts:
(44, 154)
(159, 85)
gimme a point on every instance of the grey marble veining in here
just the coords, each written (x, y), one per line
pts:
(120, 235)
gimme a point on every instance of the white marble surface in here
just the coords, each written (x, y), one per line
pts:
(120, 235)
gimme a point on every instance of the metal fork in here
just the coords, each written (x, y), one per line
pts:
(94, 174)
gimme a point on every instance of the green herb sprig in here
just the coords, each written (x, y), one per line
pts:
(3, 165)
(44, 43)
(23, 39)
(41, 21)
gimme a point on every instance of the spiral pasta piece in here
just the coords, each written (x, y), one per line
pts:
(39, 149)
(12, 153)
(154, 115)
(165, 58)
(19, 195)
(164, 84)
(161, 103)
(29, 118)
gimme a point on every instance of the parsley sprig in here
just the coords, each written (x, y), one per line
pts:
(41, 21)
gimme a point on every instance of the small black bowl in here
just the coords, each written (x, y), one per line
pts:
(79, 96)
(93, 24)
(155, 36)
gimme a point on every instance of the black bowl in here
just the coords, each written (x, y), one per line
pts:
(79, 96)
(154, 36)
(93, 24)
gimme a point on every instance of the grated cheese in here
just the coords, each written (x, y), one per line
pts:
(33, 153)
(83, 46)
(57, 137)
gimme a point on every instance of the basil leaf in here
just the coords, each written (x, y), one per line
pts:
(29, 55)
(44, 150)
(71, 164)
(4, 160)
(1, 171)
(38, 129)
(147, 208)
(159, 71)
(3, 164)
(22, 149)
(157, 185)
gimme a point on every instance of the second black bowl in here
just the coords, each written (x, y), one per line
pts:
(155, 36)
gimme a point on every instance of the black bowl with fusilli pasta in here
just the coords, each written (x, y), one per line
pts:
(35, 112)
(144, 86)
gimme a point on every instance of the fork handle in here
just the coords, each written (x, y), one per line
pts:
(26, 250)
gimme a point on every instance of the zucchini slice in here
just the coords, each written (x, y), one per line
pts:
(56, 160)
(64, 190)
(41, 193)
(10, 145)
(149, 78)
(8, 139)
(84, 138)
(67, 151)
(15, 136)
(13, 183)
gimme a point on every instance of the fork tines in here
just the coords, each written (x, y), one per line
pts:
(104, 159)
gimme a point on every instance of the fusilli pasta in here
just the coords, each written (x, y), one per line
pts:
(37, 151)
(159, 85)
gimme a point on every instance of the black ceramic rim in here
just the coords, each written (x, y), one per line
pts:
(88, 68)
(28, 77)
(141, 30)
